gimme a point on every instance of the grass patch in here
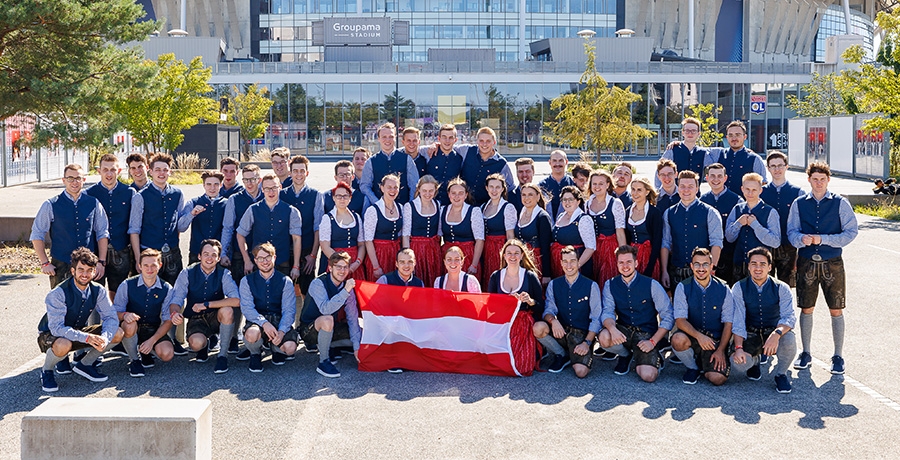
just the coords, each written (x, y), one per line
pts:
(886, 208)
(180, 177)
(18, 258)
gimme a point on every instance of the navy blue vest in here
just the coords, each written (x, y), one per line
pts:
(273, 225)
(475, 172)
(639, 233)
(495, 226)
(573, 302)
(343, 237)
(242, 202)
(736, 165)
(227, 193)
(529, 234)
(78, 308)
(305, 202)
(723, 204)
(634, 304)
(705, 307)
(424, 226)
(691, 160)
(552, 188)
(515, 198)
(146, 302)
(820, 218)
(605, 222)
(444, 167)
(664, 201)
(689, 230)
(763, 308)
(625, 198)
(460, 232)
(117, 204)
(72, 226)
(568, 234)
(781, 200)
(207, 224)
(266, 295)
(202, 288)
(160, 223)
(386, 229)
(381, 167)
(135, 187)
(747, 239)
(394, 279)
(311, 309)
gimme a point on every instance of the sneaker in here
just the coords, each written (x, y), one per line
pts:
(89, 372)
(327, 369)
(48, 382)
(334, 355)
(179, 349)
(559, 363)
(221, 365)
(212, 345)
(233, 346)
(782, 384)
(691, 376)
(135, 368)
(64, 367)
(312, 348)
(119, 349)
(278, 359)
(623, 365)
(395, 370)
(202, 355)
(837, 365)
(147, 361)
(763, 358)
(608, 356)
(256, 363)
(290, 357)
(244, 355)
(546, 362)
(803, 361)
(345, 350)
(754, 373)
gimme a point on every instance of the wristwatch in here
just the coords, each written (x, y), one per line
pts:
(206, 304)
(778, 331)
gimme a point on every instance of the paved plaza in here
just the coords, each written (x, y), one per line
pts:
(292, 412)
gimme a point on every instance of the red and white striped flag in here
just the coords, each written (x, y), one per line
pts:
(434, 330)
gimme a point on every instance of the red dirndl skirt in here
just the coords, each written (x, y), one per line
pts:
(524, 345)
(386, 252)
(604, 259)
(468, 249)
(491, 257)
(361, 273)
(643, 257)
(429, 263)
(555, 258)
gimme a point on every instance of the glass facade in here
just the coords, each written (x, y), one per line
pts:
(834, 23)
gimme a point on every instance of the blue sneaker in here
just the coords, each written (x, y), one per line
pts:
(312, 348)
(837, 365)
(559, 363)
(136, 369)
(691, 376)
(754, 373)
(256, 363)
(64, 367)
(623, 365)
(221, 365)
(278, 359)
(763, 358)
(202, 355)
(782, 384)
(233, 346)
(244, 355)
(89, 372)
(48, 382)
(803, 361)
(327, 369)
(179, 348)
(212, 345)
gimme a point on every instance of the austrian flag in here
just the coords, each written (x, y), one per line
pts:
(434, 330)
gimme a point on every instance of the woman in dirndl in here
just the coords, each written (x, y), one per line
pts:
(455, 279)
(462, 225)
(421, 218)
(341, 231)
(499, 222)
(534, 228)
(383, 226)
(608, 215)
(644, 227)
(572, 228)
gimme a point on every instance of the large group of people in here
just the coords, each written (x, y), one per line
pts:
(603, 264)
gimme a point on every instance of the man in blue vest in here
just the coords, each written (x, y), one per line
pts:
(345, 172)
(446, 161)
(480, 162)
(229, 169)
(554, 183)
(309, 202)
(154, 219)
(723, 201)
(204, 296)
(405, 274)
(525, 174)
(751, 224)
(687, 225)
(781, 194)
(819, 226)
(274, 221)
(269, 303)
(72, 219)
(621, 180)
(329, 318)
(571, 319)
(64, 327)
(687, 155)
(389, 161)
(704, 311)
(666, 172)
(737, 159)
(763, 321)
(144, 315)
(631, 304)
(116, 200)
(204, 214)
(137, 171)
(410, 139)
(280, 158)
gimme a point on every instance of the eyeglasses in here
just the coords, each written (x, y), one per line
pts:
(345, 174)
(263, 258)
(279, 163)
(71, 179)
(700, 265)
(270, 189)
(777, 166)
(690, 131)
(250, 179)
(342, 197)
(341, 267)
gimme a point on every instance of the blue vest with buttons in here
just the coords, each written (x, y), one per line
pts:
(160, 223)
(705, 307)
(475, 172)
(382, 166)
(424, 226)
(227, 193)
(762, 306)
(689, 230)
(242, 202)
(311, 309)
(460, 232)
(266, 295)
(689, 160)
(273, 225)
(736, 165)
(305, 202)
(573, 303)
(146, 302)
(207, 224)
(117, 204)
(495, 226)
(605, 222)
(72, 226)
(202, 288)
(444, 167)
(819, 218)
(639, 233)
(343, 237)
(78, 308)
(393, 278)
(568, 234)
(781, 200)
(747, 239)
(386, 229)
(634, 303)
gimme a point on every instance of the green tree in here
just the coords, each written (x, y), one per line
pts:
(709, 122)
(249, 111)
(596, 116)
(825, 95)
(176, 100)
(396, 107)
(64, 61)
